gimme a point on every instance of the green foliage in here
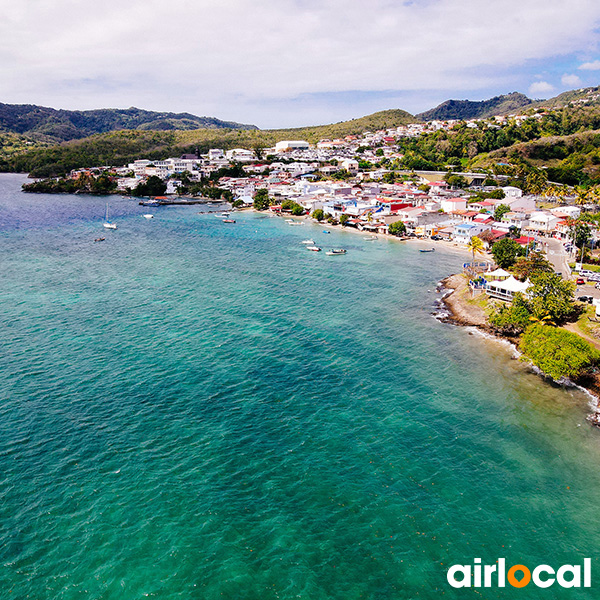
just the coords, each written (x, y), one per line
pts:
(153, 186)
(500, 211)
(85, 183)
(506, 251)
(511, 319)
(397, 228)
(261, 199)
(48, 124)
(456, 180)
(344, 218)
(531, 265)
(318, 214)
(551, 296)
(467, 109)
(557, 352)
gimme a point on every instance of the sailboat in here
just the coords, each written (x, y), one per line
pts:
(107, 224)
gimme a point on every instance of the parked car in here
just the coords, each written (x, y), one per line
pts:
(597, 286)
(587, 299)
(580, 281)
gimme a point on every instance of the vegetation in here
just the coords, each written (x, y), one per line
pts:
(466, 109)
(261, 199)
(506, 251)
(293, 207)
(51, 125)
(500, 211)
(475, 245)
(398, 228)
(122, 147)
(318, 214)
(344, 218)
(153, 186)
(528, 266)
(511, 319)
(85, 183)
(557, 352)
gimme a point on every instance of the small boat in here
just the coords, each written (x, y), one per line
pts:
(99, 239)
(313, 248)
(335, 251)
(325, 231)
(228, 220)
(311, 242)
(371, 238)
(148, 216)
(107, 224)
(427, 250)
(295, 222)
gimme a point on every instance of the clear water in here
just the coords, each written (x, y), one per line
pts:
(192, 409)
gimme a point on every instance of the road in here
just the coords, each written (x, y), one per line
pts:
(558, 257)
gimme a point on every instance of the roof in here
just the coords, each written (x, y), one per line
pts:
(511, 285)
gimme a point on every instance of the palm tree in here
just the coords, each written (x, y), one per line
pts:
(475, 245)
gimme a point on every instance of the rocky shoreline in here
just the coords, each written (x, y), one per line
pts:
(463, 313)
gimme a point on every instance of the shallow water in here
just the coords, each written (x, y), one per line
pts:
(193, 409)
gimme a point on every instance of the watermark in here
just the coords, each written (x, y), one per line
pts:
(519, 576)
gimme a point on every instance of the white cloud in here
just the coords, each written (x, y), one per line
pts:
(590, 66)
(540, 88)
(229, 55)
(570, 80)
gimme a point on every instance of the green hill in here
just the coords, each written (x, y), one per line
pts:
(467, 109)
(121, 147)
(43, 124)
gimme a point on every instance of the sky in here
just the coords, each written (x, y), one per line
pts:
(291, 63)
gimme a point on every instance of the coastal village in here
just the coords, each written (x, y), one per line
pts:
(352, 182)
(348, 181)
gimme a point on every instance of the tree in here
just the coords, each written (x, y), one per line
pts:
(261, 199)
(397, 228)
(557, 352)
(344, 218)
(154, 186)
(551, 296)
(500, 211)
(318, 214)
(580, 234)
(475, 245)
(506, 251)
(511, 319)
(528, 266)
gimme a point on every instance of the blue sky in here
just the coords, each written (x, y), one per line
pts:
(285, 63)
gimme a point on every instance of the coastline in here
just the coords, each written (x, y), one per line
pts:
(465, 314)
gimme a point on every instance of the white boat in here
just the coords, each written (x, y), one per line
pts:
(313, 248)
(371, 238)
(311, 242)
(148, 216)
(335, 251)
(107, 224)
(295, 222)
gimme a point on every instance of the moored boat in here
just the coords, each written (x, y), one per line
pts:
(228, 220)
(427, 250)
(313, 248)
(311, 242)
(335, 251)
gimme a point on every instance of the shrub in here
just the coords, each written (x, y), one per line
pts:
(557, 352)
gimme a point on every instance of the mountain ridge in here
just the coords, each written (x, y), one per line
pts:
(50, 125)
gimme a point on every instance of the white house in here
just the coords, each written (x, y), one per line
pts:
(288, 145)
(512, 192)
(464, 232)
(543, 222)
(453, 204)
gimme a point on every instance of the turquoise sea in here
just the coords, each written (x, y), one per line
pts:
(196, 410)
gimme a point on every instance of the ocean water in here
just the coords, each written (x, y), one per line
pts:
(198, 410)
